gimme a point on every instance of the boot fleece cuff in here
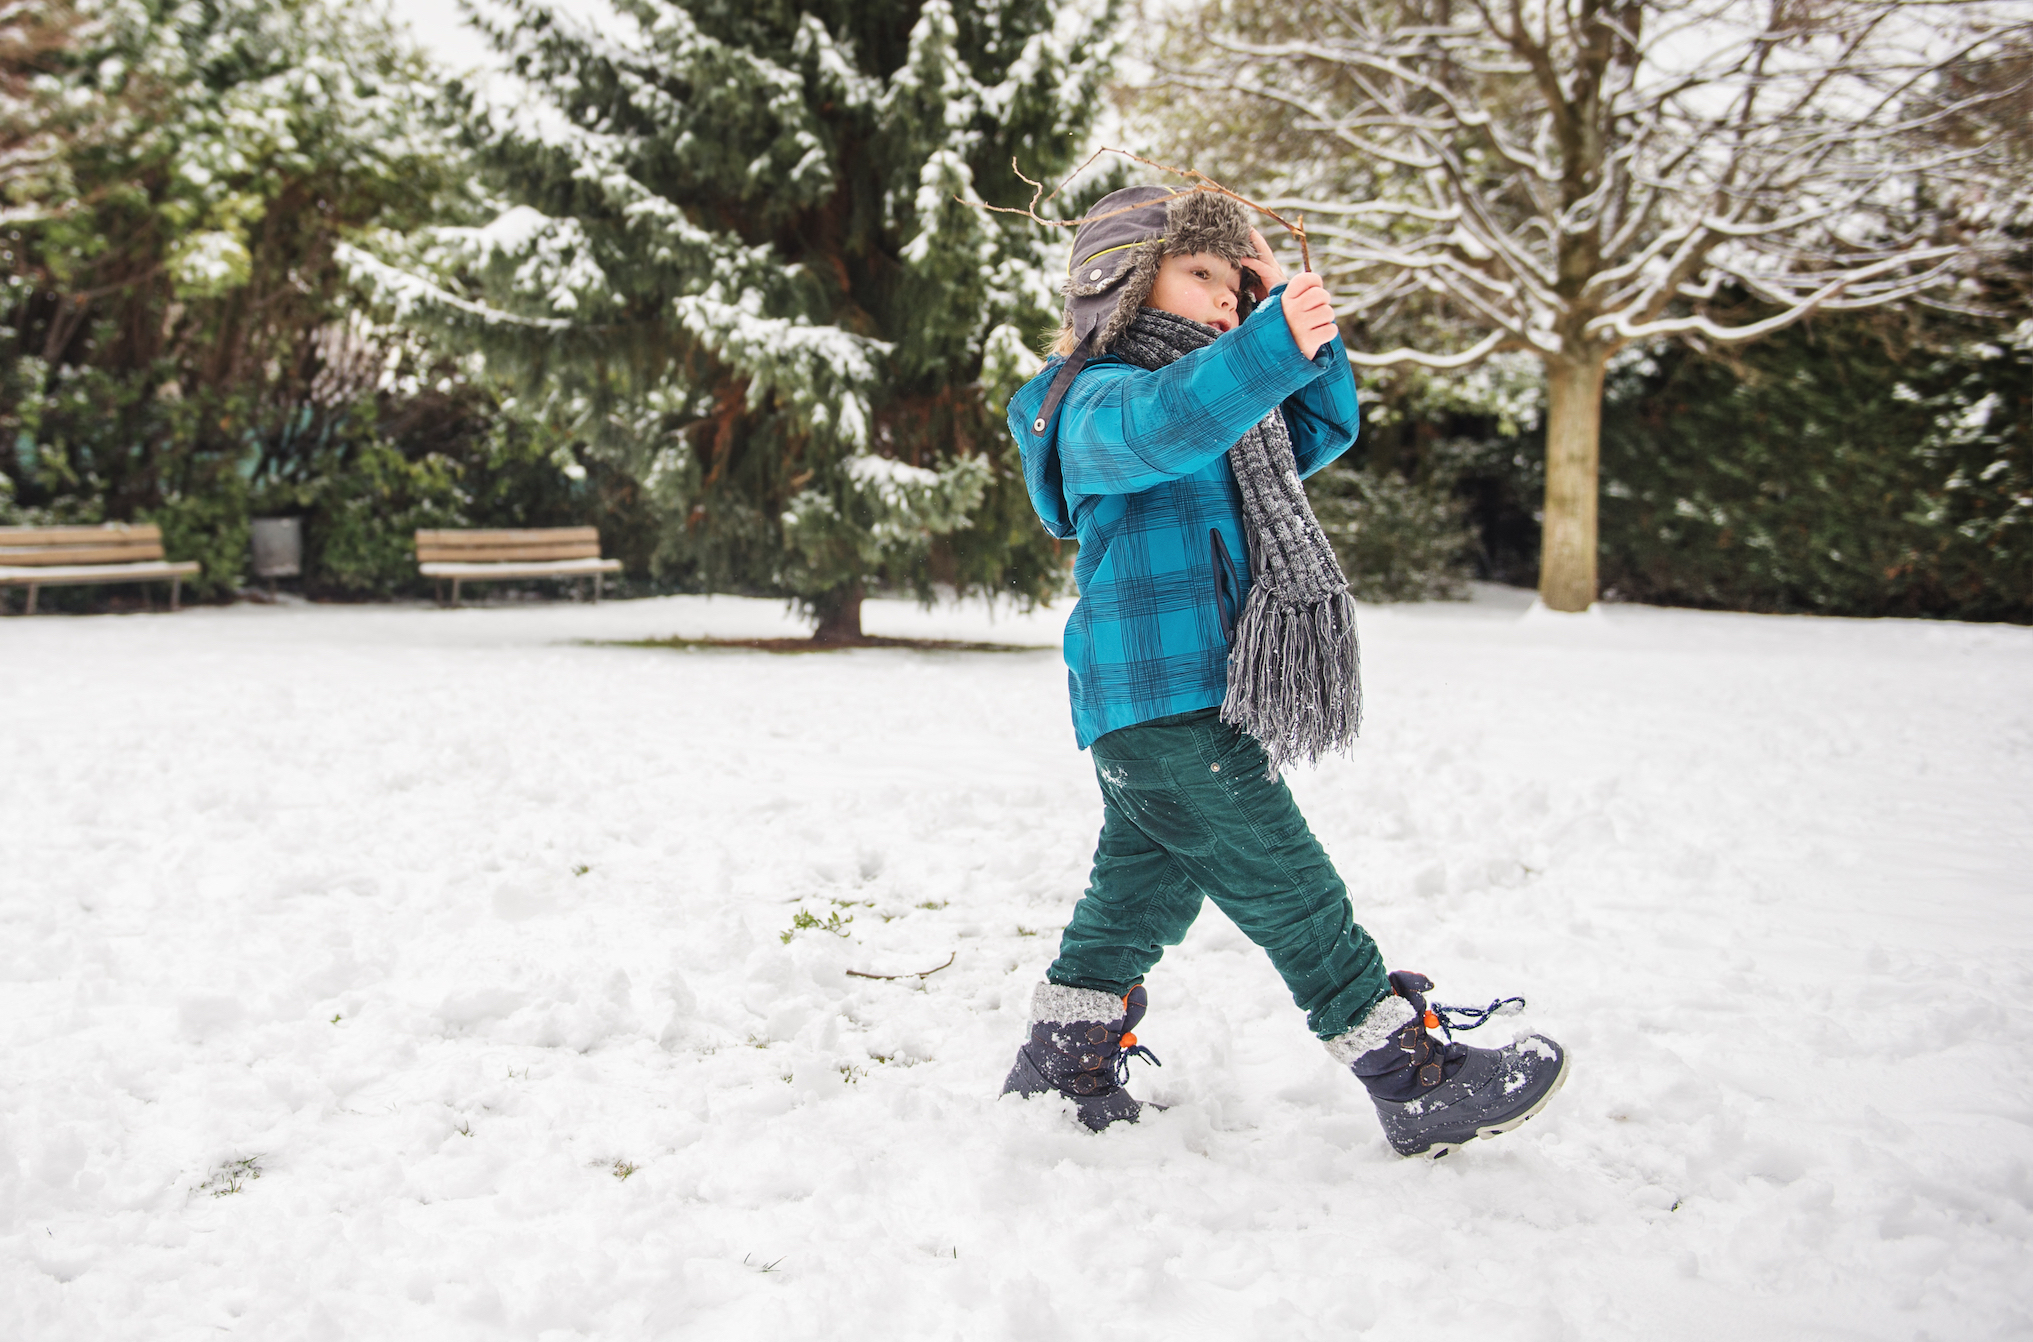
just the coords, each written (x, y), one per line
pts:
(1385, 1019)
(1055, 1004)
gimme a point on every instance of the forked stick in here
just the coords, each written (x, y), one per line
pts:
(920, 975)
(1200, 180)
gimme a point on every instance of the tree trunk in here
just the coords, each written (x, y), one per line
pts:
(1573, 437)
(839, 615)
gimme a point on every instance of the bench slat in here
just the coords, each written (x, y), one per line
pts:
(11, 576)
(22, 555)
(483, 572)
(114, 532)
(507, 553)
(531, 536)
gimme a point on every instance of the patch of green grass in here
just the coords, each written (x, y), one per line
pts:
(622, 1169)
(933, 904)
(232, 1176)
(804, 921)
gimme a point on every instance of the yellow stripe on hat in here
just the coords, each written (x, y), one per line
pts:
(1072, 265)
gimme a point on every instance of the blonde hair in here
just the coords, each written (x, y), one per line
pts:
(1061, 345)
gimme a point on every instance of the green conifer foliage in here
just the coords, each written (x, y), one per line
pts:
(730, 244)
(174, 332)
(1828, 471)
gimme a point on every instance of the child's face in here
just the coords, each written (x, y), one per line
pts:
(1199, 286)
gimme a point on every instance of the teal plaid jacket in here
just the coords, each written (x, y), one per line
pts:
(1135, 466)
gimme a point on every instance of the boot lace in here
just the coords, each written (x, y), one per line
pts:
(1134, 1003)
(1132, 1050)
(1454, 1018)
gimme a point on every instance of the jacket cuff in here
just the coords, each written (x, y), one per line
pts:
(1278, 344)
(1273, 348)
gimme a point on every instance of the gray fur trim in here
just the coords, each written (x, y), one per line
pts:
(1204, 222)
(1385, 1019)
(1142, 276)
(1055, 1004)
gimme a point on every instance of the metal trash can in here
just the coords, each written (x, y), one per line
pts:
(278, 547)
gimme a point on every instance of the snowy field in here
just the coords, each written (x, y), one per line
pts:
(372, 973)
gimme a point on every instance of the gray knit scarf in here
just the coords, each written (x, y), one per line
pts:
(1295, 669)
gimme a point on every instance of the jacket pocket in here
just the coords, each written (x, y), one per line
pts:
(1227, 590)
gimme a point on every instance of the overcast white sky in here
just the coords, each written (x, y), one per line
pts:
(438, 25)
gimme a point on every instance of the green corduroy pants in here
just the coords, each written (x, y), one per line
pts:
(1187, 815)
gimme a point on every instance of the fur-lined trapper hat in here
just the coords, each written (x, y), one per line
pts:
(1115, 262)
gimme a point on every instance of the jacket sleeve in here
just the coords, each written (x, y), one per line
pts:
(1324, 415)
(1122, 430)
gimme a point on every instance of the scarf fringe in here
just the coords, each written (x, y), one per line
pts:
(1295, 677)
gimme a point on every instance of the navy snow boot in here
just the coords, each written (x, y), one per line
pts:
(1432, 1097)
(1080, 1047)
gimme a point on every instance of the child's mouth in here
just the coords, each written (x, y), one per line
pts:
(1223, 325)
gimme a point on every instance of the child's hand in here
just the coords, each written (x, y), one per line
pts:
(1264, 270)
(1309, 313)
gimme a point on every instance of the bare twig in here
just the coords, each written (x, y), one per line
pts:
(920, 976)
(1201, 182)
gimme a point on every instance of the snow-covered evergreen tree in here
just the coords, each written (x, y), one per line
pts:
(174, 178)
(732, 248)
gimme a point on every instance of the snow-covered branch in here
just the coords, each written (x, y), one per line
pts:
(1573, 176)
(406, 293)
(1404, 357)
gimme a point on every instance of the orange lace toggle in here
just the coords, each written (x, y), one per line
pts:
(1432, 1022)
(1129, 1041)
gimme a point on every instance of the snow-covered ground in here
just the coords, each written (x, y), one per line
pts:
(445, 921)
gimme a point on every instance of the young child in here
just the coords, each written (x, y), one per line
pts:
(1214, 641)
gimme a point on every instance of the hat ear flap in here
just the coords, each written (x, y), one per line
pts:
(1100, 274)
(1136, 291)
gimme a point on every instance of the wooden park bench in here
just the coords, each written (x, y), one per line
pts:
(485, 556)
(38, 557)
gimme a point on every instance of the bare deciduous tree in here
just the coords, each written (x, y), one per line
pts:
(1567, 177)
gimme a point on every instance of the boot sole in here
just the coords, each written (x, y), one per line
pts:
(1439, 1149)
